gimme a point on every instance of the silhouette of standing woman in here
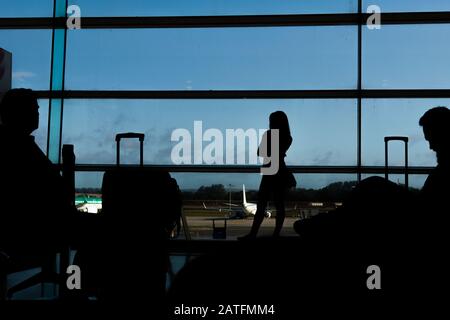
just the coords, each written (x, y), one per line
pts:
(277, 184)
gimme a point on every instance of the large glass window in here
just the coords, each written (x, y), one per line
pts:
(254, 58)
(31, 57)
(324, 131)
(211, 7)
(213, 59)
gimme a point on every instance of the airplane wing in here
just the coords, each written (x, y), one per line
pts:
(273, 209)
(232, 205)
(220, 209)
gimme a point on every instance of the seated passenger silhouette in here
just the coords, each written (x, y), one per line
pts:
(434, 225)
(277, 184)
(398, 228)
(35, 207)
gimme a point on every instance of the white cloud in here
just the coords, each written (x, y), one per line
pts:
(188, 85)
(22, 75)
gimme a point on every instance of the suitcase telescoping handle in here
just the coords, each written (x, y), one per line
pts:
(131, 135)
(386, 155)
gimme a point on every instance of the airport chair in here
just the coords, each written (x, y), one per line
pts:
(46, 275)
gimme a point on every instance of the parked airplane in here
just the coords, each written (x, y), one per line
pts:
(240, 211)
(87, 203)
(250, 208)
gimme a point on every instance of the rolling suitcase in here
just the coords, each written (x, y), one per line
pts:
(139, 206)
(386, 155)
(140, 193)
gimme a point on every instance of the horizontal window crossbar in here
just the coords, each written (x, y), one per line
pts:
(248, 94)
(256, 169)
(228, 21)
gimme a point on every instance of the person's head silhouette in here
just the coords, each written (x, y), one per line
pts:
(436, 128)
(19, 111)
(279, 120)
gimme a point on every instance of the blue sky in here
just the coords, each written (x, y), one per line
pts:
(181, 7)
(324, 131)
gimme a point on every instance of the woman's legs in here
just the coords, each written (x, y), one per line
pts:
(279, 197)
(260, 214)
(263, 198)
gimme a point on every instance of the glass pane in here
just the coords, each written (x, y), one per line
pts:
(26, 8)
(409, 5)
(212, 59)
(210, 7)
(324, 131)
(416, 181)
(316, 193)
(193, 181)
(407, 57)
(88, 191)
(88, 182)
(91, 182)
(397, 117)
(31, 56)
(42, 132)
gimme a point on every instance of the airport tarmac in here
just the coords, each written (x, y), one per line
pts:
(201, 227)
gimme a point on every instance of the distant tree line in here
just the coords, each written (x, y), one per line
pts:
(89, 190)
(337, 191)
(334, 192)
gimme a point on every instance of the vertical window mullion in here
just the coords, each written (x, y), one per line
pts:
(59, 36)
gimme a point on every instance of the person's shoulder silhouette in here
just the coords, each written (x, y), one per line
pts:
(19, 115)
(433, 230)
(436, 127)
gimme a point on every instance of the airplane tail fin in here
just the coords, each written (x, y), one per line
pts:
(244, 198)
